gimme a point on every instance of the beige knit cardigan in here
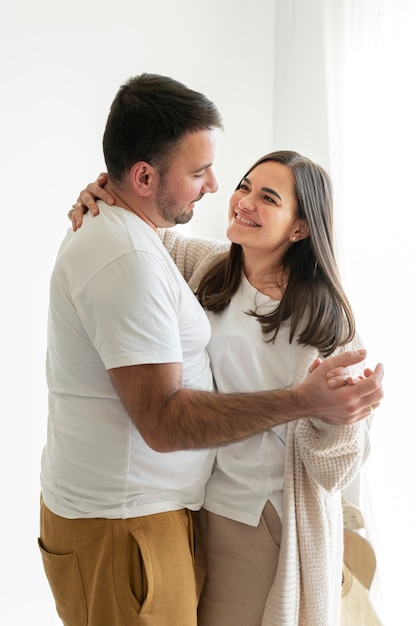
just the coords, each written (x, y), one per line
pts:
(321, 460)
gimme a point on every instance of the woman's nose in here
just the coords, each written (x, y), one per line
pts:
(246, 203)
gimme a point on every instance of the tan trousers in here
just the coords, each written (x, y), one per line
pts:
(241, 563)
(132, 572)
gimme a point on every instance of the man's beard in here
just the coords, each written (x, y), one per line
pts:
(165, 203)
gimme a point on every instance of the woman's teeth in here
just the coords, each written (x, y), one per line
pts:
(239, 218)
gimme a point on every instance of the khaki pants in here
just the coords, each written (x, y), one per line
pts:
(240, 564)
(132, 572)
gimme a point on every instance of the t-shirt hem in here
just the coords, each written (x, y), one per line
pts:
(241, 516)
(119, 512)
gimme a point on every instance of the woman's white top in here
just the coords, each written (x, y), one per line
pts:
(321, 460)
(248, 473)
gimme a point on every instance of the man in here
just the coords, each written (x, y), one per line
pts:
(133, 421)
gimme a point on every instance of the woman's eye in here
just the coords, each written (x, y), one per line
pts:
(243, 187)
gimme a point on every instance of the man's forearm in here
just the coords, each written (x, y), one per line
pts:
(198, 419)
(170, 417)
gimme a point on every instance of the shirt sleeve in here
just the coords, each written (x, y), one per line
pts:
(130, 312)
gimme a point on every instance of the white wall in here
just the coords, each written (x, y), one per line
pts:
(61, 65)
(300, 109)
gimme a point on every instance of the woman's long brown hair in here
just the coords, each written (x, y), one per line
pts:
(314, 302)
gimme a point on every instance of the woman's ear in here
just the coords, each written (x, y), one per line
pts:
(301, 232)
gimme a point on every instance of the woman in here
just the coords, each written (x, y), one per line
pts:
(271, 526)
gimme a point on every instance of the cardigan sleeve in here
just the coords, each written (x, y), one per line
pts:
(192, 255)
(333, 453)
(321, 459)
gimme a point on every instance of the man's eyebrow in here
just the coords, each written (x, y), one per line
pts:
(265, 189)
(203, 167)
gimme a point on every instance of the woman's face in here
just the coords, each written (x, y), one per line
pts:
(263, 211)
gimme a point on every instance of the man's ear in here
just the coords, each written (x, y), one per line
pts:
(143, 178)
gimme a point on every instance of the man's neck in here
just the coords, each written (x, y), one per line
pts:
(125, 200)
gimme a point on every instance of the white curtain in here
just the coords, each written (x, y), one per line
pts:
(371, 77)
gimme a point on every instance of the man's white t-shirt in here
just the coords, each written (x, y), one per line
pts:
(250, 472)
(117, 299)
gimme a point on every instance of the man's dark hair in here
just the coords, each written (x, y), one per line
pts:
(148, 118)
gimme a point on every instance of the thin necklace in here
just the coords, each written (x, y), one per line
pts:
(281, 285)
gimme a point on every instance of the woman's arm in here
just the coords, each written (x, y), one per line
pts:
(192, 255)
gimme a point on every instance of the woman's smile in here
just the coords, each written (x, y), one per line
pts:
(244, 220)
